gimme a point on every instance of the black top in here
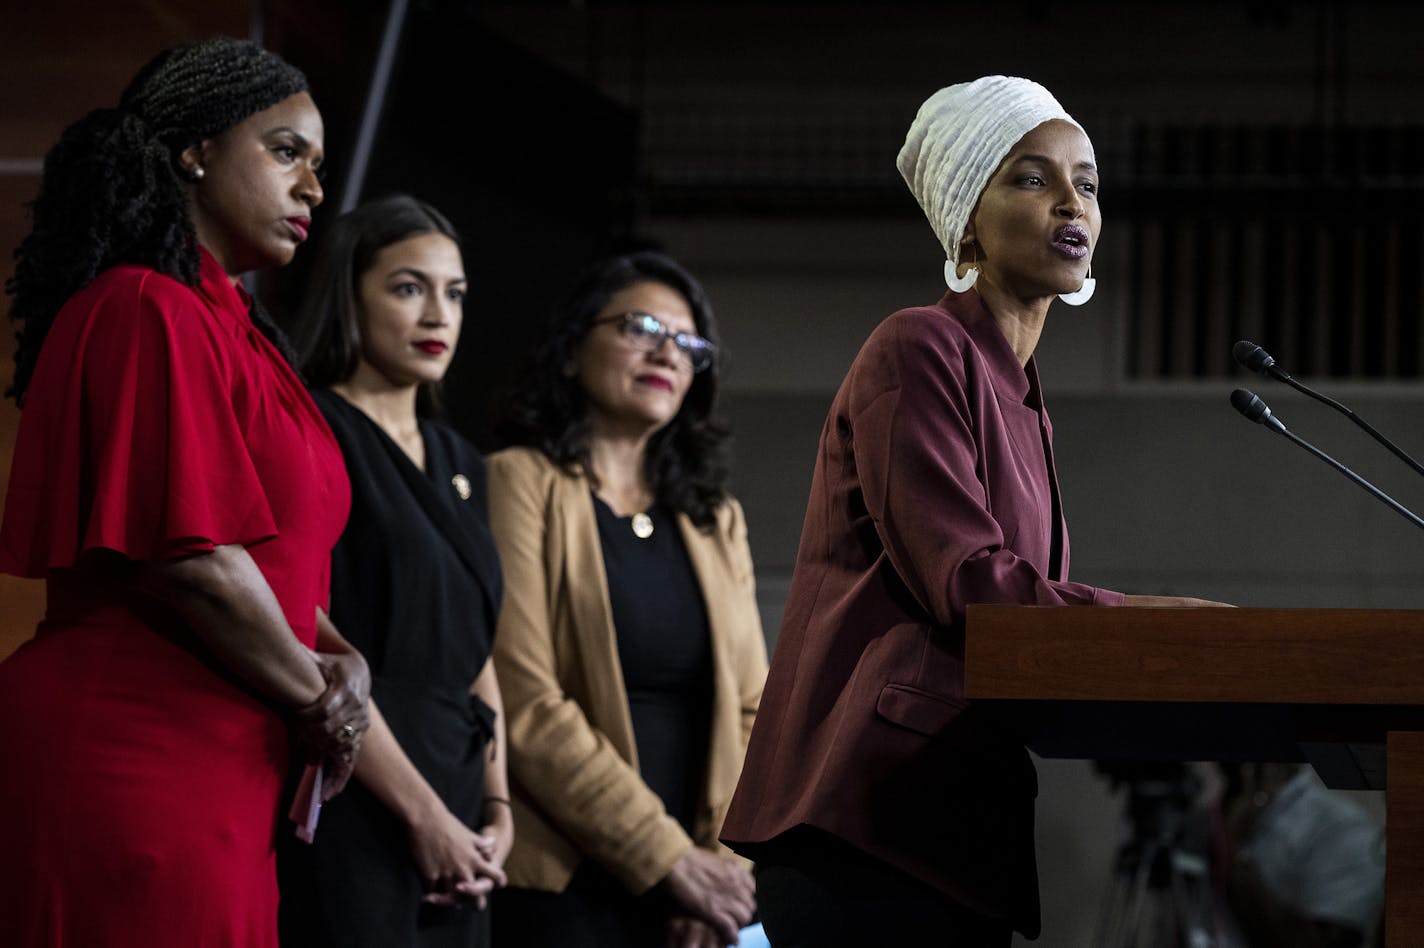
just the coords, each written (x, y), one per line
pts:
(415, 586)
(665, 647)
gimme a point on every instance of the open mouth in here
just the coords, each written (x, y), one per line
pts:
(1071, 241)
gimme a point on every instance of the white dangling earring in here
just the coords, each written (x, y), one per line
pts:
(957, 283)
(1083, 293)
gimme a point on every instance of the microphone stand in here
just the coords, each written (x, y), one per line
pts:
(1253, 357)
(1254, 409)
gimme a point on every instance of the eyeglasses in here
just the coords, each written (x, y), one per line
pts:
(647, 333)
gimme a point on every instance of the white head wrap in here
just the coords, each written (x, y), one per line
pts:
(958, 140)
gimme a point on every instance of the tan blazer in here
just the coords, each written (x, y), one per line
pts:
(573, 763)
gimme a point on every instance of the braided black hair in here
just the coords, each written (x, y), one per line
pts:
(111, 190)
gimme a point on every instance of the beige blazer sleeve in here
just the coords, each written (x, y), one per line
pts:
(723, 562)
(572, 757)
(751, 652)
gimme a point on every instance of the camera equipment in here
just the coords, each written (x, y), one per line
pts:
(1160, 893)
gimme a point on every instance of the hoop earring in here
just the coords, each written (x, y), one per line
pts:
(957, 283)
(1083, 293)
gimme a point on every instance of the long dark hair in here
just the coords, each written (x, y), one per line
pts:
(328, 327)
(111, 191)
(688, 458)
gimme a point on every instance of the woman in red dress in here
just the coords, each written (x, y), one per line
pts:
(180, 494)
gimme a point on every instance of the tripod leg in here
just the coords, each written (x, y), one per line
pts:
(1192, 901)
(1107, 932)
(1132, 933)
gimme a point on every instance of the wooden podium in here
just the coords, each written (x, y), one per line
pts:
(1340, 688)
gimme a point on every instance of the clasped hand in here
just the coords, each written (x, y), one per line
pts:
(458, 864)
(713, 893)
(331, 727)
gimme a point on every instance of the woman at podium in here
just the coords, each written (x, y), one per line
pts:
(880, 808)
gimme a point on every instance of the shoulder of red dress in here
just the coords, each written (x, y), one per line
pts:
(141, 279)
(136, 289)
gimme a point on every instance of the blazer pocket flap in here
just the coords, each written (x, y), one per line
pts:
(918, 710)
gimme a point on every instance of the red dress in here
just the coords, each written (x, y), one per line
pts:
(139, 801)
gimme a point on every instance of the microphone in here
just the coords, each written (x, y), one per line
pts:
(1251, 356)
(1248, 404)
(1253, 409)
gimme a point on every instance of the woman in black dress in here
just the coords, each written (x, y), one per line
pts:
(410, 854)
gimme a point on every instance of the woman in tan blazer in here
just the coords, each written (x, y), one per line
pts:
(629, 647)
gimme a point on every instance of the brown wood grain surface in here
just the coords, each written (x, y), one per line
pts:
(1404, 860)
(1282, 656)
(1232, 663)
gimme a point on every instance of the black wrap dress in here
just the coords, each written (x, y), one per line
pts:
(416, 587)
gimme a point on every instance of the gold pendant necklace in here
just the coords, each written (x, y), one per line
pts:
(642, 526)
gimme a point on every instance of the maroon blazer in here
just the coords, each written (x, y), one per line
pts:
(934, 488)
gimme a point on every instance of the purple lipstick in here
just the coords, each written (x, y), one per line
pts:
(1071, 241)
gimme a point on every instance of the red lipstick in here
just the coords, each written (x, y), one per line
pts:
(301, 227)
(431, 346)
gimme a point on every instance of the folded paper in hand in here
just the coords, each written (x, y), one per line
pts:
(306, 806)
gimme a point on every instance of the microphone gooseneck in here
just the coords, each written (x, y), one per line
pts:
(1251, 356)
(1254, 409)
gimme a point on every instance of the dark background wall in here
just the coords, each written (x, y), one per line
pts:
(1263, 172)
